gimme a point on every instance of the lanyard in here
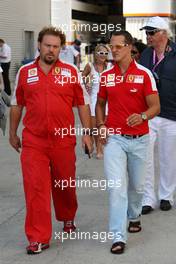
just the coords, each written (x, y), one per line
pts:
(155, 62)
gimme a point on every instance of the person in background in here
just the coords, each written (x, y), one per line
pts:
(160, 58)
(5, 59)
(70, 55)
(138, 48)
(4, 103)
(77, 46)
(1, 79)
(93, 73)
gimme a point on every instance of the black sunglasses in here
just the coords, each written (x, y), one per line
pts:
(152, 32)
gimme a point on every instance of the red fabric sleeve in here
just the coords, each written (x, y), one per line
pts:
(150, 84)
(18, 95)
(102, 89)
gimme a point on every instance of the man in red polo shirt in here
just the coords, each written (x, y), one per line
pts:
(131, 93)
(48, 89)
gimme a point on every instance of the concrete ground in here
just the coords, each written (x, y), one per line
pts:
(156, 244)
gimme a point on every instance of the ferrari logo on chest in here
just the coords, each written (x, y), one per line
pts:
(130, 78)
(56, 71)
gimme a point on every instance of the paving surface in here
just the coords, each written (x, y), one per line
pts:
(156, 244)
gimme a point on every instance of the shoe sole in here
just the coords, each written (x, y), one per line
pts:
(118, 251)
(30, 252)
(69, 231)
(147, 211)
(165, 209)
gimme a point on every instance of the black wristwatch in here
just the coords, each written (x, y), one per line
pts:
(144, 116)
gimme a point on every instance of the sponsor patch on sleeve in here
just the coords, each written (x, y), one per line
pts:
(32, 72)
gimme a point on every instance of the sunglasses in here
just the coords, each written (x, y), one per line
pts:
(152, 32)
(118, 46)
(102, 53)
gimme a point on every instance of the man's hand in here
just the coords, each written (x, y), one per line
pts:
(15, 142)
(134, 120)
(103, 134)
(15, 116)
(87, 140)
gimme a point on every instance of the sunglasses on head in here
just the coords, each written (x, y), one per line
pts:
(103, 53)
(151, 32)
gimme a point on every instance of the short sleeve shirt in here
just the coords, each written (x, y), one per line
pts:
(126, 95)
(48, 99)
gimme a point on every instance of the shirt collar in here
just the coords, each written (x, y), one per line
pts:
(131, 65)
(36, 62)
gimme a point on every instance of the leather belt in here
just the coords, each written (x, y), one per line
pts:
(131, 136)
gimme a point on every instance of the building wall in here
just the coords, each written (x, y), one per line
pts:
(61, 16)
(137, 13)
(18, 16)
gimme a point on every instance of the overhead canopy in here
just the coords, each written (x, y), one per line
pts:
(147, 8)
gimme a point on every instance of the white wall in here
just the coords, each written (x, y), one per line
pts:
(16, 16)
(61, 16)
(147, 7)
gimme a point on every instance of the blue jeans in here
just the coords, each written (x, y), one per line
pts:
(125, 157)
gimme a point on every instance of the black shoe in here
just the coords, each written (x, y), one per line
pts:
(165, 205)
(118, 248)
(146, 209)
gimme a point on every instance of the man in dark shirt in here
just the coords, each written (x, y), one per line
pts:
(160, 58)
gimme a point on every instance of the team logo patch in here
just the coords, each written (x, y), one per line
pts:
(32, 72)
(111, 77)
(110, 84)
(130, 78)
(66, 72)
(56, 71)
(33, 79)
(134, 90)
(135, 78)
(139, 79)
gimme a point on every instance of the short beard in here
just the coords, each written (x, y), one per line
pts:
(49, 62)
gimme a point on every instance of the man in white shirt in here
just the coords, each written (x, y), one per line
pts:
(1, 80)
(5, 59)
(4, 102)
(68, 53)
